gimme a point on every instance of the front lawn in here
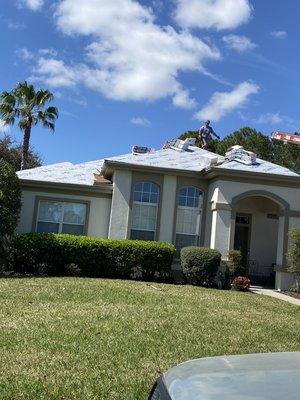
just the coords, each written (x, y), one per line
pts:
(83, 339)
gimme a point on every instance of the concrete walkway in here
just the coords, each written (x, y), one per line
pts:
(275, 294)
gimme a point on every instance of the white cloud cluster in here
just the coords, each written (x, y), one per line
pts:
(131, 57)
(142, 121)
(277, 119)
(216, 14)
(55, 73)
(223, 103)
(239, 43)
(279, 34)
(24, 54)
(33, 5)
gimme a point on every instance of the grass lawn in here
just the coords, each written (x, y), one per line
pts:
(74, 338)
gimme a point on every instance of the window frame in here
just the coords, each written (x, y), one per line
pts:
(157, 205)
(200, 208)
(39, 199)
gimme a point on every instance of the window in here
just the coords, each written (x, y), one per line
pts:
(188, 217)
(144, 211)
(61, 217)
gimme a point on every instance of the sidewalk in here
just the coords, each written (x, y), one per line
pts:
(275, 294)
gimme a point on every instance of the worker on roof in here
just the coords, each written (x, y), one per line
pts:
(205, 134)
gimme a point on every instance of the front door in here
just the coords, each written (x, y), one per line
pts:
(242, 236)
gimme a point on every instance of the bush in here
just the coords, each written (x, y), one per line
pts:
(10, 207)
(241, 283)
(293, 256)
(200, 265)
(10, 199)
(92, 257)
(235, 261)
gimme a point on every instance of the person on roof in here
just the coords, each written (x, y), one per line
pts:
(205, 134)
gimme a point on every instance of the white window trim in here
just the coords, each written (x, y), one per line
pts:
(143, 203)
(61, 223)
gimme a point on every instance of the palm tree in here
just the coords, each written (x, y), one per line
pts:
(28, 105)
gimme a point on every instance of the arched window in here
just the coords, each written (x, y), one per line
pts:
(144, 211)
(188, 222)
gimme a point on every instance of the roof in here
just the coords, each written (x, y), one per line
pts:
(194, 159)
(197, 160)
(80, 174)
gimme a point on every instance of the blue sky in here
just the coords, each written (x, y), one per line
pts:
(128, 72)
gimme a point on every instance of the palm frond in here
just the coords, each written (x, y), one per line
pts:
(49, 125)
(42, 97)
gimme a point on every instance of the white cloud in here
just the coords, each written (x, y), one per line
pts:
(140, 121)
(15, 25)
(55, 73)
(238, 43)
(223, 103)
(131, 57)
(33, 5)
(277, 119)
(279, 34)
(24, 54)
(48, 52)
(215, 14)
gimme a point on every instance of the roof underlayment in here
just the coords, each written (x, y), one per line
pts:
(194, 159)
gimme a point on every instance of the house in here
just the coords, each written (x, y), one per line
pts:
(180, 194)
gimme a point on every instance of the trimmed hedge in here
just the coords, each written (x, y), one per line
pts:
(200, 265)
(34, 253)
(235, 264)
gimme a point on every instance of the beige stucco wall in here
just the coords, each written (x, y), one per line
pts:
(264, 231)
(219, 228)
(168, 203)
(229, 189)
(120, 207)
(98, 216)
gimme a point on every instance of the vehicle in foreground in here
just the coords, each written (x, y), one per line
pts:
(270, 376)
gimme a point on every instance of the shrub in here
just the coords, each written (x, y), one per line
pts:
(235, 261)
(10, 199)
(93, 257)
(200, 265)
(293, 256)
(241, 283)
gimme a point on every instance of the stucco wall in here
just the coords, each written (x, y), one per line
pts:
(220, 196)
(264, 230)
(230, 189)
(98, 216)
(119, 218)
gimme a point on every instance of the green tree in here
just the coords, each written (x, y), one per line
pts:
(28, 105)
(266, 148)
(11, 152)
(10, 205)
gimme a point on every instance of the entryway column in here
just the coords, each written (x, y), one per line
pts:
(283, 228)
(221, 228)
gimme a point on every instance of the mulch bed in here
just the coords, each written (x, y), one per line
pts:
(293, 294)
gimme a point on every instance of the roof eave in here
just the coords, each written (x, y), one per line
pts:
(213, 173)
(110, 165)
(98, 188)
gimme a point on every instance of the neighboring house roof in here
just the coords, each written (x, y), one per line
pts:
(79, 174)
(195, 159)
(192, 160)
